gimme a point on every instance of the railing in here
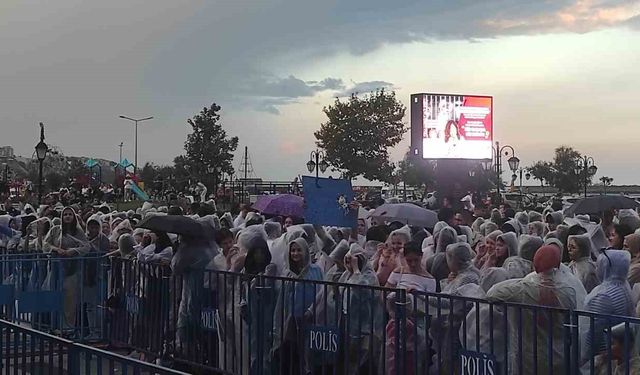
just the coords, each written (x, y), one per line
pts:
(241, 324)
(27, 351)
(245, 324)
(56, 295)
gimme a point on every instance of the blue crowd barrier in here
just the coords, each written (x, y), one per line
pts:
(27, 351)
(55, 294)
(235, 323)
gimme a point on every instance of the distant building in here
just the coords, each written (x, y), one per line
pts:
(6, 152)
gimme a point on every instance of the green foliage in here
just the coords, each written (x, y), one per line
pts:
(208, 145)
(415, 171)
(542, 171)
(359, 132)
(561, 173)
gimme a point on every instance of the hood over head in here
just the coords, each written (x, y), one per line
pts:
(583, 242)
(528, 245)
(339, 251)
(126, 244)
(460, 253)
(488, 227)
(511, 240)
(613, 265)
(535, 216)
(306, 256)
(258, 256)
(273, 229)
(555, 217)
(446, 237)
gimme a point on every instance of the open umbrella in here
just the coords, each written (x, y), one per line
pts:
(280, 204)
(598, 204)
(406, 213)
(176, 224)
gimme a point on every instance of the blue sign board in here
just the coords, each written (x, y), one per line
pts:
(327, 202)
(475, 363)
(323, 342)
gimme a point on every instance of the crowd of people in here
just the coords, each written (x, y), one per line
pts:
(585, 263)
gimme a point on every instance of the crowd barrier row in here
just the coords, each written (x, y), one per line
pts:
(241, 324)
(28, 351)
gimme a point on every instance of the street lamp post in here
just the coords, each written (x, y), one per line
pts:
(586, 167)
(317, 161)
(41, 154)
(513, 161)
(120, 145)
(135, 166)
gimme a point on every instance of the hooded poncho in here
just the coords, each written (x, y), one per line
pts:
(547, 287)
(521, 265)
(632, 241)
(583, 267)
(460, 255)
(611, 297)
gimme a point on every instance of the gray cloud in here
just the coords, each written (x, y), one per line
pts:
(365, 88)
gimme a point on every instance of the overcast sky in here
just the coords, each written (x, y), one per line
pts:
(561, 72)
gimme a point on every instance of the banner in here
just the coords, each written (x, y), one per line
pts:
(327, 202)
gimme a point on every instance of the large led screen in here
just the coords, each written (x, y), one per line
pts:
(453, 126)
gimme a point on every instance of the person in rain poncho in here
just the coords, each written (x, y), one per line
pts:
(624, 357)
(535, 216)
(553, 219)
(160, 249)
(280, 247)
(521, 265)
(491, 276)
(295, 299)
(408, 340)
(273, 230)
(611, 297)
(568, 276)
(579, 248)
(506, 245)
(489, 248)
(360, 312)
(546, 287)
(122, 227)
(436, 265)
(446, 313)
(223, 261)
(10, 236)
(410, 274)
(616, 236)
(191, 257)
(536, 228)
(489, 336)
(523, 220)
(429, 247)
(632, 245)
(67, 240)
(36, 233)
(386, 259)
(94, 270)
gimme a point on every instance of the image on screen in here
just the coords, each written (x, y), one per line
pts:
(457, 126)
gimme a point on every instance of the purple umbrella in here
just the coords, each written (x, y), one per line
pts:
(280, 204)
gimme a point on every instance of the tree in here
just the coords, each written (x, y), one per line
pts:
(208, 147)
(416, 171)
(564, 163)
(542, 171)
(359, 133)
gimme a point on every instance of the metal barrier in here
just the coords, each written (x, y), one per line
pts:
(244, 324)
(54, 294)
(27, 351)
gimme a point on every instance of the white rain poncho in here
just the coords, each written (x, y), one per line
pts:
(612, 297)
(325, 308)
(446, 237)
(36, 232)
(629, 217)
(521, 265)
(485, 326)
(280, 247)
(488, 227)
(536, 228)
(510, 240)
(583, 267)
(492, 276)
(547, 287)
(447, 318)
(523, 219)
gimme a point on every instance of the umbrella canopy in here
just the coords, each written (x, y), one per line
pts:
(176, 224)
(600, 203)
(406, 213)
(280, 204)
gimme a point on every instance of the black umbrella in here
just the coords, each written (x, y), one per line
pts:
(175, 224)
(600, 203)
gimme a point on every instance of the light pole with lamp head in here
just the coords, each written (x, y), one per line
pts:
(586, 167)
(135, 166)
(513, 161)
(41, 154)
(317, 161)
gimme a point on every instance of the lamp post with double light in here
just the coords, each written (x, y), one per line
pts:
(585, 168)
(317, 161)
(496, 164)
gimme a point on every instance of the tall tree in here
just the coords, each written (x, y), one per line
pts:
(542, 171)
(416, 171)
(564, 164)
(208, 147)
(359, 132)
